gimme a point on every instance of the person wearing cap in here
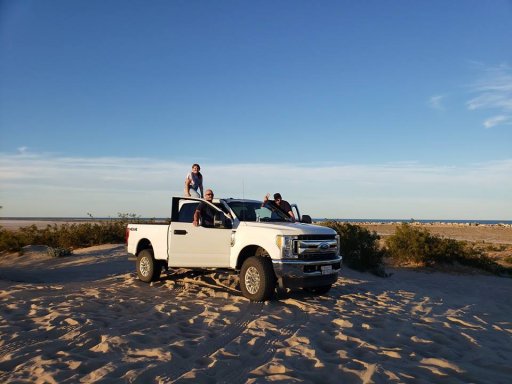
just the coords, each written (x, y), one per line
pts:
(282, 204)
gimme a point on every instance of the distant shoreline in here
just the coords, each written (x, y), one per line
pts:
(505, 223)
(362, 221)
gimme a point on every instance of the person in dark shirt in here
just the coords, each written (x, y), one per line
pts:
(205, 211)
(282, 204)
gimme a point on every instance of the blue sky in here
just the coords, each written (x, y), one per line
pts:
(353, 109)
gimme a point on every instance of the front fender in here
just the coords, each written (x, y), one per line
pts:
(249, 251)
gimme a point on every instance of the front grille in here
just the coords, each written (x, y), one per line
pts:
(316, 237)
(318, 256)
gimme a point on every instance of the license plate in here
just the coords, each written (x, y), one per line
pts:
(326, 269)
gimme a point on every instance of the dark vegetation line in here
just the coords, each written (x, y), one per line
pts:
(409, 245)
(359, 246)
(68, 235)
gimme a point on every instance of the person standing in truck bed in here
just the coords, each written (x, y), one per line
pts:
(282, 204)
(194, 182)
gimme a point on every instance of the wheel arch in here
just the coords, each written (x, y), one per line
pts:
(248, 251)
(143, 244)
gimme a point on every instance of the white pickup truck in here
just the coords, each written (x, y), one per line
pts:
(259, 241)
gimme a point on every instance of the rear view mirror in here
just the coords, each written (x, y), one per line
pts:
(306, 219)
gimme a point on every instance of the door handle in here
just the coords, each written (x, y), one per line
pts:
(180, 232)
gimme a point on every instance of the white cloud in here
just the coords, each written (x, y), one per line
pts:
(497, 120)
(494, 92)
(436, 102)
(46, 185)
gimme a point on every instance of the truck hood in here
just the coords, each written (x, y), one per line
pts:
(292, 228)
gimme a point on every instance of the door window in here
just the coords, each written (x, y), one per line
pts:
(186, 213)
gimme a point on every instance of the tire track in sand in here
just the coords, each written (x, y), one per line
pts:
(237, 371)
(173, 372)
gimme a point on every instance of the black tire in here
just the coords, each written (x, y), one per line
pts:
(257, 278)
(321, 290)
(148, 269)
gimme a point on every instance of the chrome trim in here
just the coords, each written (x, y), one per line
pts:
(316, 246)
(302, 262)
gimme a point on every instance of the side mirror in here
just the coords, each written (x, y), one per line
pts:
(221, 221)
(306, 219)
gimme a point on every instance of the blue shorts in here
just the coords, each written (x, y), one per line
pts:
(193, 193)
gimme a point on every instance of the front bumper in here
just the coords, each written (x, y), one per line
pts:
(300, 273)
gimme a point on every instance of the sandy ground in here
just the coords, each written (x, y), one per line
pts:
(86, 318)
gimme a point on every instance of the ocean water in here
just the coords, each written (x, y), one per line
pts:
(447, 221)
(376, 221)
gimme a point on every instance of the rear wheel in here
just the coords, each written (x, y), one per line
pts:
(257, 279)
(321, 290)
(147, 268)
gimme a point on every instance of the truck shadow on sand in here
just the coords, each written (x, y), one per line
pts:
(217, 281)
(220, 281)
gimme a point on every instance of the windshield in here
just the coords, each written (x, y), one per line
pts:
(253, 211)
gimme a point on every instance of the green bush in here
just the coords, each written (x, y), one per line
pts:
(66, 235)
(495, 247)
(359, 247)
(417, 245)
(9, 240)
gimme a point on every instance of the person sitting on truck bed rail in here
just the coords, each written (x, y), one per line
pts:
(204, 211)
(282, 204)
(194, 182)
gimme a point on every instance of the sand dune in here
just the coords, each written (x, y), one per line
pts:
(86, 318)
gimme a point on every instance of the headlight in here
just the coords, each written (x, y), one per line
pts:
(339, 244)
(285, 244)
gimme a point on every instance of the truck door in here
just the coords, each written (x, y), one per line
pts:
(191, 246)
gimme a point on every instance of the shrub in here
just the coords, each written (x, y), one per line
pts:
(495, 247)
(9, 240)
(417, 245)
(410, 245)
(59, 252)
(67, 235)
(359, 247)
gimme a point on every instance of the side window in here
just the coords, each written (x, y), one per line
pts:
(186, 214)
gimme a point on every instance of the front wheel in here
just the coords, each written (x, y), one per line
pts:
(257, 279)
(148, 269)
(322, 290)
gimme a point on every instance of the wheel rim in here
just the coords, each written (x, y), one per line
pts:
(252, 280)
(144, 266)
